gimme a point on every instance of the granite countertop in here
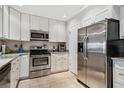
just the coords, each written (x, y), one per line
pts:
(6, 58)
(59, 52)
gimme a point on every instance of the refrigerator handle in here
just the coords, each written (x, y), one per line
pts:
(86, 55)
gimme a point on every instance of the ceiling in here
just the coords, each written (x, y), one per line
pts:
(59, 12)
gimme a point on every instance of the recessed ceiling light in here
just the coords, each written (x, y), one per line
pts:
(64, 16)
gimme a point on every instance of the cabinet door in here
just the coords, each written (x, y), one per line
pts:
(53, 63)
(122, 22)
(35, 22)
(62, 35)
(25, 31)
(65, 62)
(73, 49)
(13, 74)
(1, 19)
(24, 66)
(5, 21)
(43, 24)
(59, 61)
(53, 29)
(14, 24)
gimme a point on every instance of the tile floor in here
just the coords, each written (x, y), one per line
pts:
(59, 80)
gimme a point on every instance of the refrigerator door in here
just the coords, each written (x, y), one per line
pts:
(96, 57)
(81, 55)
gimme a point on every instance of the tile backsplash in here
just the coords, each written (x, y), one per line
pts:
(14, 45)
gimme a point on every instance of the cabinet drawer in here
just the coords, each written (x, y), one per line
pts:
(119, 75)
(118, 85)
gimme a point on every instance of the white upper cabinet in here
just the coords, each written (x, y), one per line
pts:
(62, 34)
(39, 23)
(6, 22)
(57, 31)
(14, 24)
(25, 27)
(34, 23)
(53, 28)
(1, 19)
(43, 24)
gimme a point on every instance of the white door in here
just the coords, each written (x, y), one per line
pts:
(62, 35)
(73, 49)
(35, 22)
(122, 22)
(53, 63)
(5, 21)
(25, 28)
(24, 66)
(43, 24)
(1, 22)
(53, 29)
(14, 24)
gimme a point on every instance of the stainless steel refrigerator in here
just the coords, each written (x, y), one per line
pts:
(93, 70)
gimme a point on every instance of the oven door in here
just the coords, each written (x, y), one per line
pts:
(39, 62)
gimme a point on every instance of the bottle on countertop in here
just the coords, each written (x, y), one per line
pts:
(20, 49)
(3, 49)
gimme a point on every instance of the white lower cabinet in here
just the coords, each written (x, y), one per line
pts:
(24, 67)
(14, 75)
(1, 22)
(59, 62)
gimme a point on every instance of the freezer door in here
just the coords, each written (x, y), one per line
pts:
(96, 57)
(81, 55)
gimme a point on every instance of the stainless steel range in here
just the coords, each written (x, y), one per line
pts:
(39, 62)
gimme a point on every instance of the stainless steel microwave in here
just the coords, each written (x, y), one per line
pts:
(37, 35)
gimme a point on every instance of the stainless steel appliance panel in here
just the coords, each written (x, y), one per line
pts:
(96, 57)
(81, 55)
(39, 62)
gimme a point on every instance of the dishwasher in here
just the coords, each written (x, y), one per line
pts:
(118, 72)
(5, 76)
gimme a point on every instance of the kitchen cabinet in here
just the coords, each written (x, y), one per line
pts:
(1, 22)
(57, 31)
(5, 22)
(14, 74)
(73, 49)
(14, 25)
(34, 22)
(43, 22)
(39, 23)
(59, 62)
(25, 27)
(122, 22)
(24, 66)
